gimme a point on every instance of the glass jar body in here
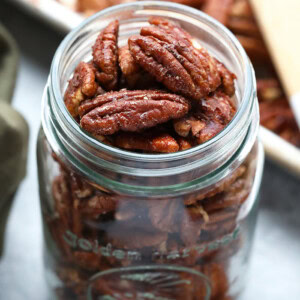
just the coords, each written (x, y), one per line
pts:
(123, 225)
(90, 230)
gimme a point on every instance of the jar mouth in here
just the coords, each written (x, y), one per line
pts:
(173, 172)
(182, 9)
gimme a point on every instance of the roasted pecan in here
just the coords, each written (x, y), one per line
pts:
(98, 204)
(170, 28)
(91, 6)
(130, 69)
(80, 87)
(62, 198)
(218, 188)
(255, 48)
(72, 278)
(184, 143)
(175, 62)
(218, 107)
(105, 56)
(244, 26)
(80, 188)
(130, 111)
(131, 237)
(269, 90)
(232, 197)
(187, 125)
(211, 129)
(164, 214)
(227, 79)
(278, 117)
(189, 231)
(209, 119)
(193, 3)
(161, 143)
(218, 9)
(133, 74)
(241, 9)
(86, 260)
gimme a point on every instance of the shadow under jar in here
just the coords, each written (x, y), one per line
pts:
(126, 225)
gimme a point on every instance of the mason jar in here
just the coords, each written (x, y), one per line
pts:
(126, 225)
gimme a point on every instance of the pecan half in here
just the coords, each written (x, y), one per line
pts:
(130, 111)
(80, 87)
(179, 66)
(218, 9)
(161, 143)
(184, 144)
(212, 115)
(133, 74)
(164, 214)
(130, 69)
(187, 125)
(227, 77)
(218, 107)
(105, 56)
(62, 198)
(189, 229)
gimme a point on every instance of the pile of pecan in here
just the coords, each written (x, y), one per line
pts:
(237, 15)
(159, 93)
(96, 230)
(275, 112)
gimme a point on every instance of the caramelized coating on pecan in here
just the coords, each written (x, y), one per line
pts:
(80, 87)
(218, 107)
(187, 125)
(212, 115)
(184, 143)
(105, 56)
(130, 111)
(181, 68)
(133, 74)
(129, 67)
(227, 79)
(160, 143)
(170, 28)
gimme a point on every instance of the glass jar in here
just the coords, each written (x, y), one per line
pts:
(125, 225)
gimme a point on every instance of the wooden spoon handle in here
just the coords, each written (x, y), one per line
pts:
(280, 24)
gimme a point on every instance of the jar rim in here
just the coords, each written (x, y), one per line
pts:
(151, 162)
(161, 156)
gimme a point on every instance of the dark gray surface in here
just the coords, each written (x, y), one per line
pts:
(275, 266)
